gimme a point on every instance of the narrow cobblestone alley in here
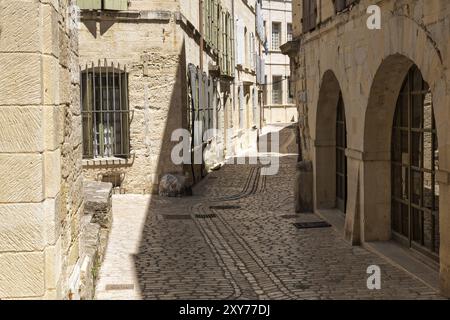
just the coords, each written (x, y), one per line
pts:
(235, 239)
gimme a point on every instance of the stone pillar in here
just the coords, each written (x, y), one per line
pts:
(352, 230)
(376, 197)
(40, 136)
(443, 177)
(325, 174)
(304, 188)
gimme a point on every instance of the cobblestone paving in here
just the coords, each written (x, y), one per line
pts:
(235, 239)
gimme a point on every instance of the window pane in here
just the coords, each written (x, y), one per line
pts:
(416, 187)
(289, 32)
(417, 110)
(416, 148)
(277, 93)
(417, 226)
(276, 35)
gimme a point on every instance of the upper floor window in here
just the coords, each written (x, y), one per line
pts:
(341, 5)
(289, 32)
(309, 15)
(277, 90)
(103, 4)
(276, 35)
(105, 112)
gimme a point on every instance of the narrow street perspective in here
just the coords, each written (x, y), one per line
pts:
(220, 150)
(236, 239)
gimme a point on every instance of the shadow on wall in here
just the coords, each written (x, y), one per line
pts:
(162, 234)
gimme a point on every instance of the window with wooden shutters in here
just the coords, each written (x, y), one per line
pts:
(105, 111)
(309, 15)
(231, 47)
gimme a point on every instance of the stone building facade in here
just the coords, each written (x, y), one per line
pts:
(379, 149)
(279, 106)
(41, 201)
(151, 67)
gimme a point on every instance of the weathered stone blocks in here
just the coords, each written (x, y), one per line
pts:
(21, 178)
(22, 275)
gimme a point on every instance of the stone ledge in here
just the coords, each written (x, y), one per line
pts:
(106, 162)
(96, 226)
(98, 202)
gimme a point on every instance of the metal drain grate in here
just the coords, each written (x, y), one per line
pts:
(177, 217)
(205, 216)
(115, 287)
(225, 207)
(312, 225)
(290, 216)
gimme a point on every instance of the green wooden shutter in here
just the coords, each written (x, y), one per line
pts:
(115, 4)
(89, 4)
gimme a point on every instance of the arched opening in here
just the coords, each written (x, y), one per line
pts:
(415, 161)
(400, 193)
(330, 147)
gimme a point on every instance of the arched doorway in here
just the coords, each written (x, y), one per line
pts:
(330, 146)
(414, 163)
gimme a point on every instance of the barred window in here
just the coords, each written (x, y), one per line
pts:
(276, 35)
(105, 111)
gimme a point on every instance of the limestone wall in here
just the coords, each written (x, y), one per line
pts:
(157, 44)
(40, 150)
(153, 52)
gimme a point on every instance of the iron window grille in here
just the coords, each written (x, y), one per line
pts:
(105, 111)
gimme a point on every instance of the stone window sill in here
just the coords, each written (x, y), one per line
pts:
(111, 161)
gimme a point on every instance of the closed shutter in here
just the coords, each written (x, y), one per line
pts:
(115, 4)
(309, 15)
(89, 4)
(231, 46)
(240, 42)
(241, 106)
(263, 70)
(255, 105)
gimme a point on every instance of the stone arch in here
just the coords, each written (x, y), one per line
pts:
(325, 141)
(378, 123)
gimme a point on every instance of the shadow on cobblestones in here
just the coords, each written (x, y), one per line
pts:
(235, 239)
